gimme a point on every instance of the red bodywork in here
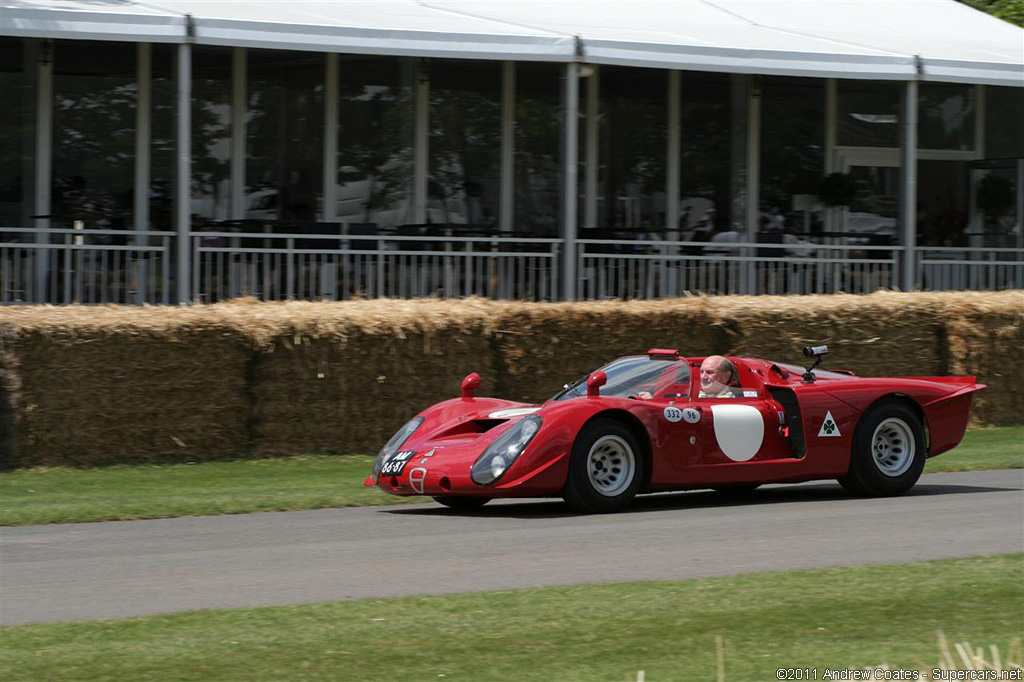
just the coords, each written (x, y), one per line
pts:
(689, 441)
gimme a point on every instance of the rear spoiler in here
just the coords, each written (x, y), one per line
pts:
(967, 385)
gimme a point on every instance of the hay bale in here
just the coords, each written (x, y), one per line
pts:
(343, 377)
(985, 333)
(113, 385)
(881, 334)
(10, 384)
(541, 346)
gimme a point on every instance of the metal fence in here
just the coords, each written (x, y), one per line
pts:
(98, 266)
(960, 269)
(84, 266)
(656, 269)
(332, 267)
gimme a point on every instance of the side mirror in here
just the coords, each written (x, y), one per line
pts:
(470, 384)
(594, 383)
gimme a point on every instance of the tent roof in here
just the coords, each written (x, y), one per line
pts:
(939, 40)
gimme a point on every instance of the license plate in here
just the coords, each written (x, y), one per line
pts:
(396, 465)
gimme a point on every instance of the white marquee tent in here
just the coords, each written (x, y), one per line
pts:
(929, 40)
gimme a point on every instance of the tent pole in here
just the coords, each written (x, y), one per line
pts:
(569, 179)
(44, 163)
(183, 172)
(506, 201)
(908, 184)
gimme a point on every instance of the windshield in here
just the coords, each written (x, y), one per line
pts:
(638, 374)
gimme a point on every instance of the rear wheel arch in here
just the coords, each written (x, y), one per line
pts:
(912, 404)
(639, 432)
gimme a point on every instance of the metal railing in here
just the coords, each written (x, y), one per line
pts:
(961, 269)
(657, 269)
(90, 267)
(84, 266)
(337, 267)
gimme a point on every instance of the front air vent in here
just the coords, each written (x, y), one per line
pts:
(485, 425)
(471, 428)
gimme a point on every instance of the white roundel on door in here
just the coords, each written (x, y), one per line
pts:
(739, 430)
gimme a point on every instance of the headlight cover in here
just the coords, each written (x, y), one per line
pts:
(391, 447)
(500, 455)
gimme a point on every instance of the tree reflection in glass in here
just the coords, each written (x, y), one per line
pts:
(94, 100)
(538, 145)
(375, 140)
(465, 141)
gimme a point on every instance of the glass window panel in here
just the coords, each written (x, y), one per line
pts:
(538, 149)
(633, 148)
(792, 150)
(1004, 122)
(284, 132)
(945, 116)
(877, 198)
(1000, 228)
(211, 133)
(465, 142)
(375, 140)
(94, 98)
(17, 132)
(868, 114)
(713, 154)
(942, 202)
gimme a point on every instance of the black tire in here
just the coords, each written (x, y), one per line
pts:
(606, 468)
(888, 451)
(462, 503)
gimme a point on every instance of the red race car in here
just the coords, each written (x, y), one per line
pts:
(658, 422)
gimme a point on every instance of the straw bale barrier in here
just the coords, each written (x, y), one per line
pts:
(540, 347)
(343, 377)
(112, 385)
(985, 333)
(10, 384)
(85, 385)
(884, 334)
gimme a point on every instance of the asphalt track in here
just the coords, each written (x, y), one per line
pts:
(119, 569)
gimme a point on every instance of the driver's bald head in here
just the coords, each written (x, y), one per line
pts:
(716, 372)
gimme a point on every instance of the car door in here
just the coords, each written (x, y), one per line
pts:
(744, 427)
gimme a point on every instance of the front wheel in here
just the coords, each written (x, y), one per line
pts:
(462, 503)
(888, 451)
(606, 468)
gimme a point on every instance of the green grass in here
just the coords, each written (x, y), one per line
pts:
(66, 495)
(991, 448)
(834, 618)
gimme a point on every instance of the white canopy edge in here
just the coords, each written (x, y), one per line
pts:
(745, 61)
(403, 43)
(134, 25)
(952, 71)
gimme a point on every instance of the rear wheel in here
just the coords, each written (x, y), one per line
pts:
(463, 503)
(888, 451)
(606, 468)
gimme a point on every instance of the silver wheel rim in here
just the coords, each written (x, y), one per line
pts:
(610, 465)
(893, 446)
